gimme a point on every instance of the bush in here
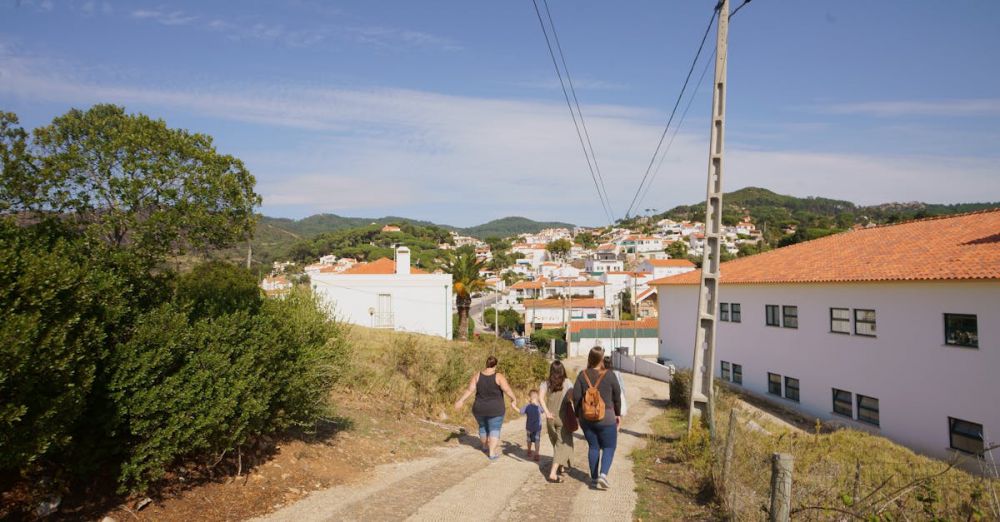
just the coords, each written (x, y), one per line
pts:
(186, 385)
(680, 388)
(216, 288)
(56, 311)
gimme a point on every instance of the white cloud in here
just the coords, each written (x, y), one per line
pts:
(961, 107)
(168, 18)
(391, 38)
(463, 159)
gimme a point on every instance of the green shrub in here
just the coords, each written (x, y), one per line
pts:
(680, 388)
(57, 308)
(216, 288)
(187, 387)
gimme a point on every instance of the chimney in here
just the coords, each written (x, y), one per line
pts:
(402, 260)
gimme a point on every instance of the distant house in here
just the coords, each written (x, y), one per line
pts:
(275, 286)
(389, 294)
(648, 303)
(638, 337)
(666, 267)
(893, 329)
(553, 313)
(391, 228)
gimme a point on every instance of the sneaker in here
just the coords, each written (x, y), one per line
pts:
(602, 481)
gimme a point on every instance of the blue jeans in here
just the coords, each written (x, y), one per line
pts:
(489, 426)
(602, 440)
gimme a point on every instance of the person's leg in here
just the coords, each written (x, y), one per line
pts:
(609, 441)
(484, 437)
(593, 449)
(494, 425)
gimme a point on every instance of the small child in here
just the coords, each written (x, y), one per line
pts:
(533, 423)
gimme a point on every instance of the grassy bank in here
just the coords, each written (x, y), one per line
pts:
(838, 474)
(409, 374)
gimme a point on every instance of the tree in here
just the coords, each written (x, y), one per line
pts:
(677, 250)
(559, 247)
(129, 180)
(585, 239)
(464, 269)
(510, 277)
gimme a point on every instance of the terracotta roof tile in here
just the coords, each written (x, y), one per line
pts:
(649, 322)
(558, 303)
(670, 263)
(382, 266)
(961, 247)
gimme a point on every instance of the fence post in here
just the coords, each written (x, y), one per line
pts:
(727, 456)
(552, 349)
(781, 487)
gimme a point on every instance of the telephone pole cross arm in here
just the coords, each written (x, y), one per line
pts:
(702, 401)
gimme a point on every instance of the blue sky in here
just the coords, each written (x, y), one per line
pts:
(450, 111)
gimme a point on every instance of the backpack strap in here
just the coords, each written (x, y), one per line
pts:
(597, 382)
(600, 378)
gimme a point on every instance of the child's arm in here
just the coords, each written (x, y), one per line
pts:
(524, 409)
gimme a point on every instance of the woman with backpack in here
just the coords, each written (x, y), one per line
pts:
(489, 407)
(598, 400)
(560, 421)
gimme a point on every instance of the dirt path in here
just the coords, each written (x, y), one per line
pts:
(459, 483)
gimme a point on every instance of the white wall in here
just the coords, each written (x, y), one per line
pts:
(557, 315)
(918, 380)
(645, 346)
(421, 303)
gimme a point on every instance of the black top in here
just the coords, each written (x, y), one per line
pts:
(489, 397)
(610, 389)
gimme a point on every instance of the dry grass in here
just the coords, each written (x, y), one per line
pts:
(411, 374)
(838, 475)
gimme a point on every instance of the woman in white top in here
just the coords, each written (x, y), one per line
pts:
(621, 382)
(556, 398)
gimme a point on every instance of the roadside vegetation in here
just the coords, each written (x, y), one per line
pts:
(839, 474)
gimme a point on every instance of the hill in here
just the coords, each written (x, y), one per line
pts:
(511, 226)
(811, 216)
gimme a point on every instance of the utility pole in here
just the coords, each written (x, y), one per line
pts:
(702, 402)
(635, 314)
(569, 286)
(496, 311)
(249, 253)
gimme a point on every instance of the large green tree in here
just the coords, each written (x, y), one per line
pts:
(559, 248)
(128, 179)
(464, 269)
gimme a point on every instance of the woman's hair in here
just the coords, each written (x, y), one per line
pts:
(607, 363)
(491, 361)
(596, 357)
(557, 374)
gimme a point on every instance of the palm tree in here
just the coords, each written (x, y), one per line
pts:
(464, 268)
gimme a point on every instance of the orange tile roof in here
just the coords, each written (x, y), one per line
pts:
(382, 266)
(960, 247)
(649, 322)
(670, 263)
(559, 303)
(560, 284)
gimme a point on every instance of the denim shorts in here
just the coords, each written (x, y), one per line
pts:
(489, 426)
(534, 436)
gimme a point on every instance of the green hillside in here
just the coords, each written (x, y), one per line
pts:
(369, 242)
(812, 216)
(511, 226)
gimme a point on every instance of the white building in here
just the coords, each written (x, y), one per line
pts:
(553, 313)
(641, 341)
(661, 268)
(600, 266)
(389, 294)
(894, 329)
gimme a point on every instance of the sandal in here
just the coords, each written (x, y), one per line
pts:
(557, 480)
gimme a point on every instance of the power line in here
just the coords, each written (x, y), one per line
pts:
(583, 123)
(673, 111)
(677, 128)
(701, 80)
(576, 125)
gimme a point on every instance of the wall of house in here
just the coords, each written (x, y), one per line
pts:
(918, 379)
(421, 303)
(644, 346)
(557, 315)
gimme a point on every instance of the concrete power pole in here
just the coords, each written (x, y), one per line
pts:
(249, 253)
(702, 402)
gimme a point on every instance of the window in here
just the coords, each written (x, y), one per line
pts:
(773, 384)
(864, 322)
(738, 374)
(843, 403)
(792, 389)
(840, 320)
(734, 312)
(965, 436)
(790, 316)
(961, 330)
(725, 371)
(723, 311)
(868, 409)
(772, 315)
